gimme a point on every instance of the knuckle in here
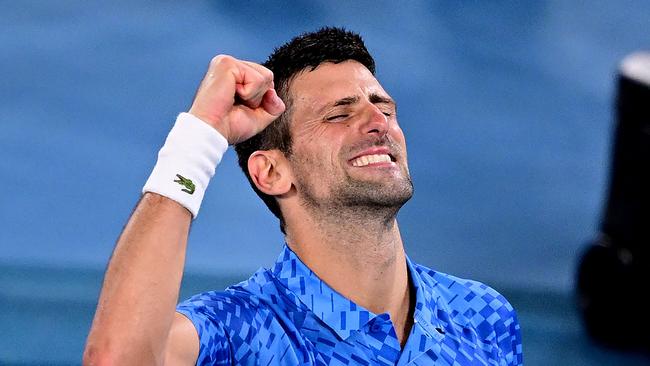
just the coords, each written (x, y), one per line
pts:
(222, 60)
(258, 79)
(268, 74)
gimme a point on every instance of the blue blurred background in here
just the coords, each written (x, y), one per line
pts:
(506, 106)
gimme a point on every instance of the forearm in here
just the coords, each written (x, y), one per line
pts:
(137, 303)
(141, 286)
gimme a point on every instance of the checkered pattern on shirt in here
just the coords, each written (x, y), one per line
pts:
(287, 316)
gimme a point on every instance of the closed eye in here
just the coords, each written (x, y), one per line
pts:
(338, 116)
(387, 111)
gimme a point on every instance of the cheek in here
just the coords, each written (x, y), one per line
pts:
(317, 161)
(310, 131)
(309, 156)
(398, 134)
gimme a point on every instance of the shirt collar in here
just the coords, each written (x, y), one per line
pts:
(426, 312)
(339, 313)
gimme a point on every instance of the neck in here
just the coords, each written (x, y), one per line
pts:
(368, 256)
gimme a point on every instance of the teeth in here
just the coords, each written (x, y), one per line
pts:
(369, 159)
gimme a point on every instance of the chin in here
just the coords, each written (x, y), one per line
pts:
(381, 195)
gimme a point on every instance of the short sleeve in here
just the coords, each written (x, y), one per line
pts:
(513, 340)
(508, 332)
(203, 311)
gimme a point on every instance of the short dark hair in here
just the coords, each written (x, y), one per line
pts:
(307, 51)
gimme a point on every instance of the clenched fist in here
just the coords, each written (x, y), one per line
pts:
(237, 98)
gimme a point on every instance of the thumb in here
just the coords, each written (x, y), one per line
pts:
(269, 110)
(272, 104)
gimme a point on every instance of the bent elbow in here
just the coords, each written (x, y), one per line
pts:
(95, 357)
(111, 356)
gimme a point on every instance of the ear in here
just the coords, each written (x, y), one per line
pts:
(270, 172)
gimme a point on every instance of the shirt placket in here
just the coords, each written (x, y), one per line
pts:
(424, 337)
(382, 339)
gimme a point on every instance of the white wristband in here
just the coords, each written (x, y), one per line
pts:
(187, 162)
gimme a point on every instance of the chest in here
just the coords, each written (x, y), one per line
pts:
(376, 344)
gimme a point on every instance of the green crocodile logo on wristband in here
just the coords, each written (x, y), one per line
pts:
(187, 183)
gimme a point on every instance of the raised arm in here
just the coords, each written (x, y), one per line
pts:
(135, 321)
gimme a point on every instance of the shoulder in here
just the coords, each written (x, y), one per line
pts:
(464, 294)
(238, 302)
(260, 301)
(238, 319)
(473, 304)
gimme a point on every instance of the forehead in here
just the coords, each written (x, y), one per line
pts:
(311, 90)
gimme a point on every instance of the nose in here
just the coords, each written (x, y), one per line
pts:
(376, 121)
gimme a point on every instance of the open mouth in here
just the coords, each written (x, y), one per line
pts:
(366, 160)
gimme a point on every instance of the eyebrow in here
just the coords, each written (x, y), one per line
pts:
(374, 99)
(346, 101)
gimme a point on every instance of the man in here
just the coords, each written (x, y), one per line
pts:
(333, 169)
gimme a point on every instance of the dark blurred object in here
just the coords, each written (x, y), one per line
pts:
(613, 282)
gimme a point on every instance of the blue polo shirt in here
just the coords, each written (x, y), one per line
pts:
(288, 316)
